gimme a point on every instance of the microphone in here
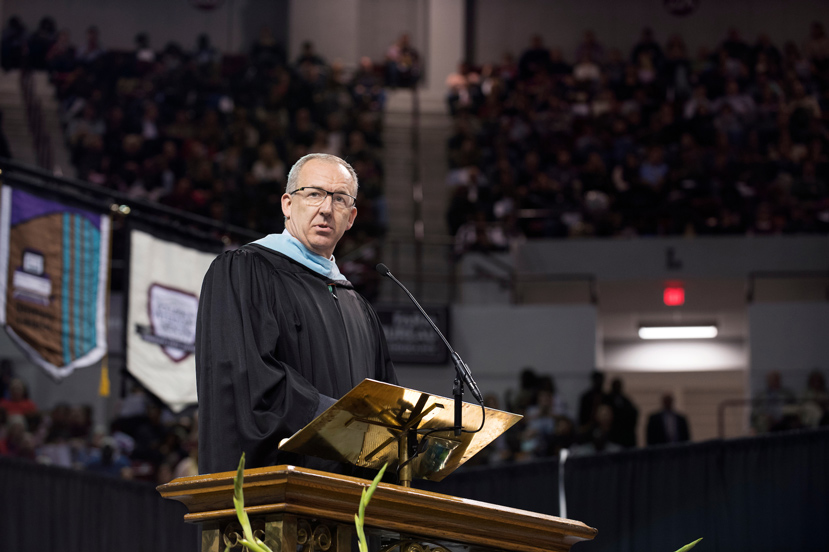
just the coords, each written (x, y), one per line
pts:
(460, 366)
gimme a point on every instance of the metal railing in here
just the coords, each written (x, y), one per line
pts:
(405, 257)
(34, 114)
(150, 212)
(759, 275)
(795, 414)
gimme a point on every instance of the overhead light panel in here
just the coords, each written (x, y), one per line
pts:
(678, 332)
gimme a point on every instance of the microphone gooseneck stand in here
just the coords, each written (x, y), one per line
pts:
(462, 372)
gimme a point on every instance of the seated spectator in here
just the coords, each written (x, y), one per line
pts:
(89, 123)
(773, 406)
(266, 52)
(18, 401)
(107, 460)
(646, 70)
(367, 86)
(735, 47)
(205, 55)
(767, 58)
(402, 63)
(56, 450)
(541, 420)
(18, 442)
(740, 103)
(591, 47)
(796, 61)
(556, 65)
(816, 401)
(586, 70)
(143, 53)
(60, 59)
(647, 45)
(654, 169)
(676, 68)
(598, 435)
(308, 54)
(817, 46)
(268, 167)
(481, 236)
(92, 48)
(535, 59)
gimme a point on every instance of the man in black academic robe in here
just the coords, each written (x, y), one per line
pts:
(281, 334)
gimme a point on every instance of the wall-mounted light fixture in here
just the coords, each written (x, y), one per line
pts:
(708, 331)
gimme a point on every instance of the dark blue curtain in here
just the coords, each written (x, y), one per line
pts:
(47, 508)
(760, 494)
(532, 486)
(767, 493)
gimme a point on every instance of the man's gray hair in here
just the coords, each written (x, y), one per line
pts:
(293, 175)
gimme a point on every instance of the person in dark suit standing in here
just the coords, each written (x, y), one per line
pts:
(666, 425)
(625, 415)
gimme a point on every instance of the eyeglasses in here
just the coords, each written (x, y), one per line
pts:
(315, 196)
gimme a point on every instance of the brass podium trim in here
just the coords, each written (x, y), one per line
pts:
(292, 491)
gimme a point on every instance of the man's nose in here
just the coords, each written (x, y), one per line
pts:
(327, 204)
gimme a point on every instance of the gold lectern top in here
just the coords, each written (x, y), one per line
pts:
(377, 423)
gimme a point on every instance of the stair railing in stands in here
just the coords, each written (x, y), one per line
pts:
(149, 212)
(34, 115)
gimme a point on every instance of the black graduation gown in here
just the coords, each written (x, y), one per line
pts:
(271, 338)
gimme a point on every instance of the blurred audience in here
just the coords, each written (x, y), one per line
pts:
(733, 141)
(213, 133)
(145, 441)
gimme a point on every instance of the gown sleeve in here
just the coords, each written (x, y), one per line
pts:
(248, 400)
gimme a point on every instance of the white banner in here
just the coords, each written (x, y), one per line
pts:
(165, 281)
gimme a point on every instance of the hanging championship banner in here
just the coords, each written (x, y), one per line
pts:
(164, 284)
(54, 263)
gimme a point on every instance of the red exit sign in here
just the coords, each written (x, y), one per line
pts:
(674, 296)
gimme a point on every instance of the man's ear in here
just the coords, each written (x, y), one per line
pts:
(351, 217)
(286, 204)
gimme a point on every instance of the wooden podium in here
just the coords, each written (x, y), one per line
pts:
(302, 510)
(296, 509)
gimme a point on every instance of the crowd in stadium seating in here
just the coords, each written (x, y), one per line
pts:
(654, 141)
(208, 133)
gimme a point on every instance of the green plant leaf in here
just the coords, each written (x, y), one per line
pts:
(689, 546)
(361, 536)
(360, 516)
(239, 500)
(248, 540)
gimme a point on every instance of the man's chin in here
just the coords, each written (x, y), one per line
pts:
(322, 246)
